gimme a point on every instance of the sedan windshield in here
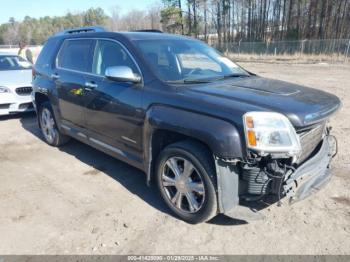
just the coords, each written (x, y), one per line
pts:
(187, 61)
(13, 62)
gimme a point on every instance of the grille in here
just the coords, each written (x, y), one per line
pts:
(22, 91)
(309, 140)
(4, 106)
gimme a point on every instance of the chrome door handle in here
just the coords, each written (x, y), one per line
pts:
(55, 76)
(89, 86)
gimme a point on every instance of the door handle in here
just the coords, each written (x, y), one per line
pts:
(89, 86)
(55, 76)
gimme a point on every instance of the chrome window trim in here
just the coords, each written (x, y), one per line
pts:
(96, 38)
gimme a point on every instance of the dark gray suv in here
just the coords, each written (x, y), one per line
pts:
(214, 137)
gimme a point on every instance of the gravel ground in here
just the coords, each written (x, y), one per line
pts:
(76, 200)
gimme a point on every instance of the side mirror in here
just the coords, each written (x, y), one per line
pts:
(122, 74)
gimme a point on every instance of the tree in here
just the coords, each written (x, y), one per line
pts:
(94, 16)
(171, 16)
(210, 20)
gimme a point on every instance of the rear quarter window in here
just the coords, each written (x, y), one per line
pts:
(46, 56)
(76, 55)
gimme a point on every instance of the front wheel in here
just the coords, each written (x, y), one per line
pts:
(49, 128)
(185, 178)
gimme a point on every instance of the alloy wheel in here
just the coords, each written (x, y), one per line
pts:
(183, 184)
(48, 125)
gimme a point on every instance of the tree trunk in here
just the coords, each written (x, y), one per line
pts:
(289, 21)
(195, 26)
(218, 21)
(283, 19)
(322, 17)
(182, 23)
(205, 22)
(189, 19)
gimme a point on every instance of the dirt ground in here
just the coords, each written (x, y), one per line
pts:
(76, 200)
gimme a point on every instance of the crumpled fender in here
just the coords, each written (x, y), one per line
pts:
(219, 135)
(227, 185)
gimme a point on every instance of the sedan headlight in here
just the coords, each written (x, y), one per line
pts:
(4, 89)
(269, 132)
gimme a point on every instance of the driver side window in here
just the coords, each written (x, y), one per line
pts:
(108, 54)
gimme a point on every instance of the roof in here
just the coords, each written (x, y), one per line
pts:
(132, 35)
(151, 36)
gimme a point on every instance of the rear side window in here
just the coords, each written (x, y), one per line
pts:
(76, 55)
(46, 55)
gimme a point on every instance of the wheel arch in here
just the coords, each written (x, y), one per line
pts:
(39, 99)
(166, 125)
(46, 96)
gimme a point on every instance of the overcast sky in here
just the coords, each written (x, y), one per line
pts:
(38, 8)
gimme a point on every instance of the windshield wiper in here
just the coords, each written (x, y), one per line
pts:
(204, 80)
(234, 75)
(190, 81)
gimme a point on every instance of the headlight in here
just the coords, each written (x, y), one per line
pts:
(4, 89)
(269, 132)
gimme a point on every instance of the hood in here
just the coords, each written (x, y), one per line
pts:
(302, 105)
(16, 78)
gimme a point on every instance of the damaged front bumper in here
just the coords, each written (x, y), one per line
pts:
(313, 174)
(296, 184)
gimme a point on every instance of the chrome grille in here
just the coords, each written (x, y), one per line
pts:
(309, 140)
(23, 91)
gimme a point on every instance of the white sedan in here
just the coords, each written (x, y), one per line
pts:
(15, 84)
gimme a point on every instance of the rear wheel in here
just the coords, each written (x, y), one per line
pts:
(185, 178)
(49, 128)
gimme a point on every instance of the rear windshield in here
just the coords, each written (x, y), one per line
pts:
(12, 62)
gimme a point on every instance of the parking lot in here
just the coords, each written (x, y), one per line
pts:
(77, 200)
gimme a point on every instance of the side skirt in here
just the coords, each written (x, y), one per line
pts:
(87, 138)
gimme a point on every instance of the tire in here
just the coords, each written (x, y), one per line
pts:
(189, 191)
(48, 126)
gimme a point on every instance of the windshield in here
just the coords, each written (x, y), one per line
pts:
(12, 62)
(187, 61)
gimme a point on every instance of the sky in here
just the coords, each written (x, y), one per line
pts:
(38, 8)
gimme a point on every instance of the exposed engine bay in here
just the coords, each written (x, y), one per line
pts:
(282, 177)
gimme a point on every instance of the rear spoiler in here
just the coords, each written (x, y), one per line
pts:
(148, 31)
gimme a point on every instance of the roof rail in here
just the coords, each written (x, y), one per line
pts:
(87, 29)
(148, 31)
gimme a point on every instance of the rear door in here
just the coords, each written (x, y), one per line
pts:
(74, 63)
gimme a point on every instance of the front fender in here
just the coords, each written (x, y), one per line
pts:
(219, 135)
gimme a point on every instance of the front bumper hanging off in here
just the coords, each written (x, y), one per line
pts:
(313, 174)
(306, 179)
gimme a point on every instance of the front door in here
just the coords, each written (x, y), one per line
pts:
(113, 109)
